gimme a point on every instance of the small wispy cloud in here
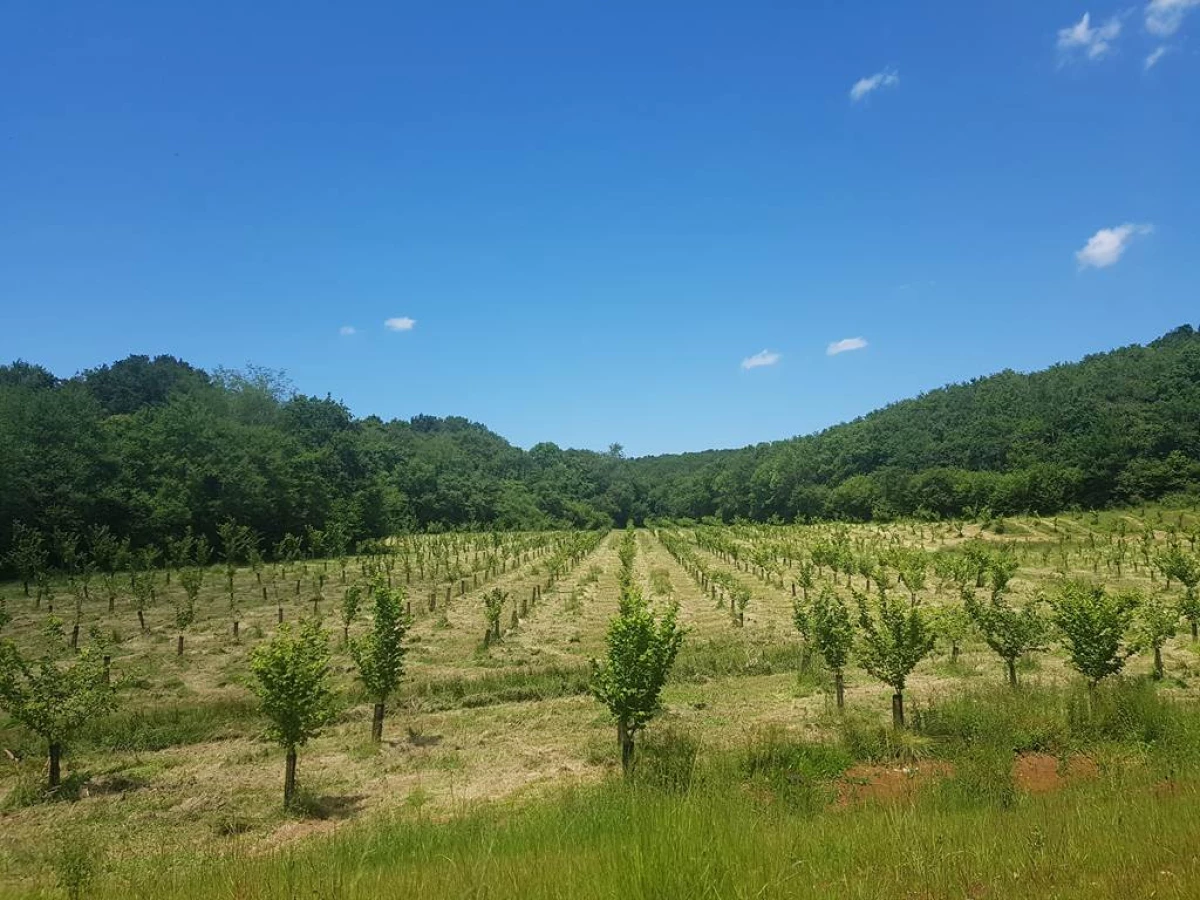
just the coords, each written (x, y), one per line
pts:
(347, 330)
(758, 360)
(1082, 38)
(400, 323)
(1154, 56)
(845, 345)
(1107, 245)
(864, 86)
(1165, 17)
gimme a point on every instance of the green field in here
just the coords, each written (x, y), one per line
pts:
(499, 775)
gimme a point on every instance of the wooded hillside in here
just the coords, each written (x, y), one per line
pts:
(150, 446)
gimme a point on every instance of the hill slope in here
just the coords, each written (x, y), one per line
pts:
(1114, 427)
(150, 446)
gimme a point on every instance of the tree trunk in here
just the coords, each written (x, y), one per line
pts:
(141, 620)
(280, 614)
(1195, 628)
(107, 668)
(898, 709)
(839, 687)
(289, 779)
(237, 626)
(112, 604)
(55, 764)
(25, 584)
(625, 739)
(954, 651)
(75, 636)
(179, 646)
(1012, 672)
(377, 724)
(1158, 664)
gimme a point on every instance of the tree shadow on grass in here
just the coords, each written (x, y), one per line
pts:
(423, 740)
(327, 807)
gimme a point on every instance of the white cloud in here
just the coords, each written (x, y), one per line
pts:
(1092, 42)
(758, 360)
(1107, 245)
(864, 86)
(400, 323)
(845, 345)
(347, 330)
(1155, 55)
(1165, 17)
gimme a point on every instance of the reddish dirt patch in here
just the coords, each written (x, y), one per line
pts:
(862, 783)
(1041, 773)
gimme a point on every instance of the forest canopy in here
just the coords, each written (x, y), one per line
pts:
(151, 446)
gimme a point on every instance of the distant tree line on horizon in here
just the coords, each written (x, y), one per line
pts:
(152, 446)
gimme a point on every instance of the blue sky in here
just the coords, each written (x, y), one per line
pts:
(594, 213)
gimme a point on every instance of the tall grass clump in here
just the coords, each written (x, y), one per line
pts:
(620, 839)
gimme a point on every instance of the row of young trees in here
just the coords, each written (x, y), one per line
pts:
(78, 556)
(642, 646)
(1098, 628)
(722, 586)
(67, 559)
(293, 679)
(885, 626)
(55, 694)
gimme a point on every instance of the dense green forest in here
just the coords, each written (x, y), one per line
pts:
(150, 446)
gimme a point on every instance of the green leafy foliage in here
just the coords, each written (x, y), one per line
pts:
(379, 654)
(832, 629)
(1093, 623)
(1176, 563)
(1011, 631)
(642, 647)
(895, 637)
(493, 608)
(173, 447)
(641, 650)
(1156, 621)
(292, 682)
(351, 600)
(51, 697)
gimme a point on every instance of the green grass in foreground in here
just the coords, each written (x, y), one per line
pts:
(762, 822)
(1098, 840)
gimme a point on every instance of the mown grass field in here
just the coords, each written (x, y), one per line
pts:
(499, 776)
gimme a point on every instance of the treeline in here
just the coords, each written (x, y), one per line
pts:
(1117, 427)
(150, 446)
(153, 447)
